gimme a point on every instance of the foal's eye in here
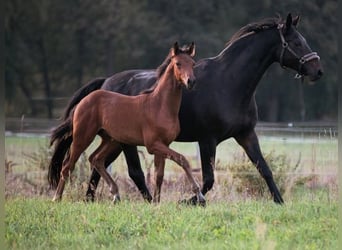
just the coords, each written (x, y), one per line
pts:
(178, 64)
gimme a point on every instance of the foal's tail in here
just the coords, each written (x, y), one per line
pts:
(62, 138)
(81, 93)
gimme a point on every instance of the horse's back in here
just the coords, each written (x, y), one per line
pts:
(131, 82)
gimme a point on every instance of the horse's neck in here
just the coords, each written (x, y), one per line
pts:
(247, 61)
(168, 93)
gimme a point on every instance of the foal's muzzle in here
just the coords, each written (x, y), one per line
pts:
(190, 84)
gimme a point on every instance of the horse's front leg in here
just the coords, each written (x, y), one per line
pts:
(250, 143)
(208, 153)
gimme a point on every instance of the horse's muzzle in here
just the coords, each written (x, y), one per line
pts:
(314, 76)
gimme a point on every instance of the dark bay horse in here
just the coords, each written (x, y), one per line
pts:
(223, 103)
(149, 119)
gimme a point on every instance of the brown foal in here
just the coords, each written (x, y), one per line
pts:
(149, 119)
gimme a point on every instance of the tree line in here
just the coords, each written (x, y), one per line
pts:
(55, 47)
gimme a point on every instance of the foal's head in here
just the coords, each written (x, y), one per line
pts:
(183, 64)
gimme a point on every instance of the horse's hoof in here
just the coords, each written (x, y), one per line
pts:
(148, 199)
(89, 198)
(116, 199)
(193, 201)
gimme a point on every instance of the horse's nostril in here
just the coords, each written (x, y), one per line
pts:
(320, 73)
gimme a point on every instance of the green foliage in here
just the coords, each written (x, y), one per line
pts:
(41, 224)
(247, 179)
(54, 47)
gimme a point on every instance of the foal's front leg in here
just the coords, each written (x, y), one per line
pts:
(166, 152)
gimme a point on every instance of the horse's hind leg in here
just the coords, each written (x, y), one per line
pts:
(135, 171)
(163, 151)
(98, 161)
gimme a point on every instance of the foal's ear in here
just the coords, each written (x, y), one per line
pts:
(175, 49)
(192, 49)
(295, 20)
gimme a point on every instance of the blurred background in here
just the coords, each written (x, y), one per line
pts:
(55, 47)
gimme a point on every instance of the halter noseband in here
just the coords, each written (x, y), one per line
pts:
(302, 60)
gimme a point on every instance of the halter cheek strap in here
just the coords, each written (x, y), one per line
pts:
(302, 60)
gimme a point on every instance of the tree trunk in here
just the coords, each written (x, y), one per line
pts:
(301, 101)
(26, 91)
(273, 110)
(46, 79)
(109, 57)
(80, 56)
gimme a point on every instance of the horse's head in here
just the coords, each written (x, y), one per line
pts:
(183, 64)
(295, 53)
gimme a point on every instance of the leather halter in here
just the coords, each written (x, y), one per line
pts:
(302, 60)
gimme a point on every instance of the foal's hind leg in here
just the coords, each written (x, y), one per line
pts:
(95, 176)
(159, 163)
(163, 151)
(68, 167)
(98, 161)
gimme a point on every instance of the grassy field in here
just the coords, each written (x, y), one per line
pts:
(231, 220)
(300, 224)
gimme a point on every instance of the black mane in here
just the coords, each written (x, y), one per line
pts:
(255, 27)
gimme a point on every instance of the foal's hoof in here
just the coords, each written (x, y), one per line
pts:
(56, 199)
(116, 199)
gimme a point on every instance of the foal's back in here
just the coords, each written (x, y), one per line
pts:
(122, 117)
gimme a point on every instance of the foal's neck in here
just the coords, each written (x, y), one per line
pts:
(168, 92)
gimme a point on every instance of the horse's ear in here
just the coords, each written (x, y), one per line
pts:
(192, 49)
(288, 22)
(175, 49)
(295, 21)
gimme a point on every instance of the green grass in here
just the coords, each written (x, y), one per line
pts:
(308, 220)
(319, 154)
(42, 224)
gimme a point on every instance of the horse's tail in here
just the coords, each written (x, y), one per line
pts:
(81, 93)
(62, 138)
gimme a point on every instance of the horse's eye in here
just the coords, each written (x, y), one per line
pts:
(178, 64)
(297, 44)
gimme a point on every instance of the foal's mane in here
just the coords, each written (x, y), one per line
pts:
(255, 27)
